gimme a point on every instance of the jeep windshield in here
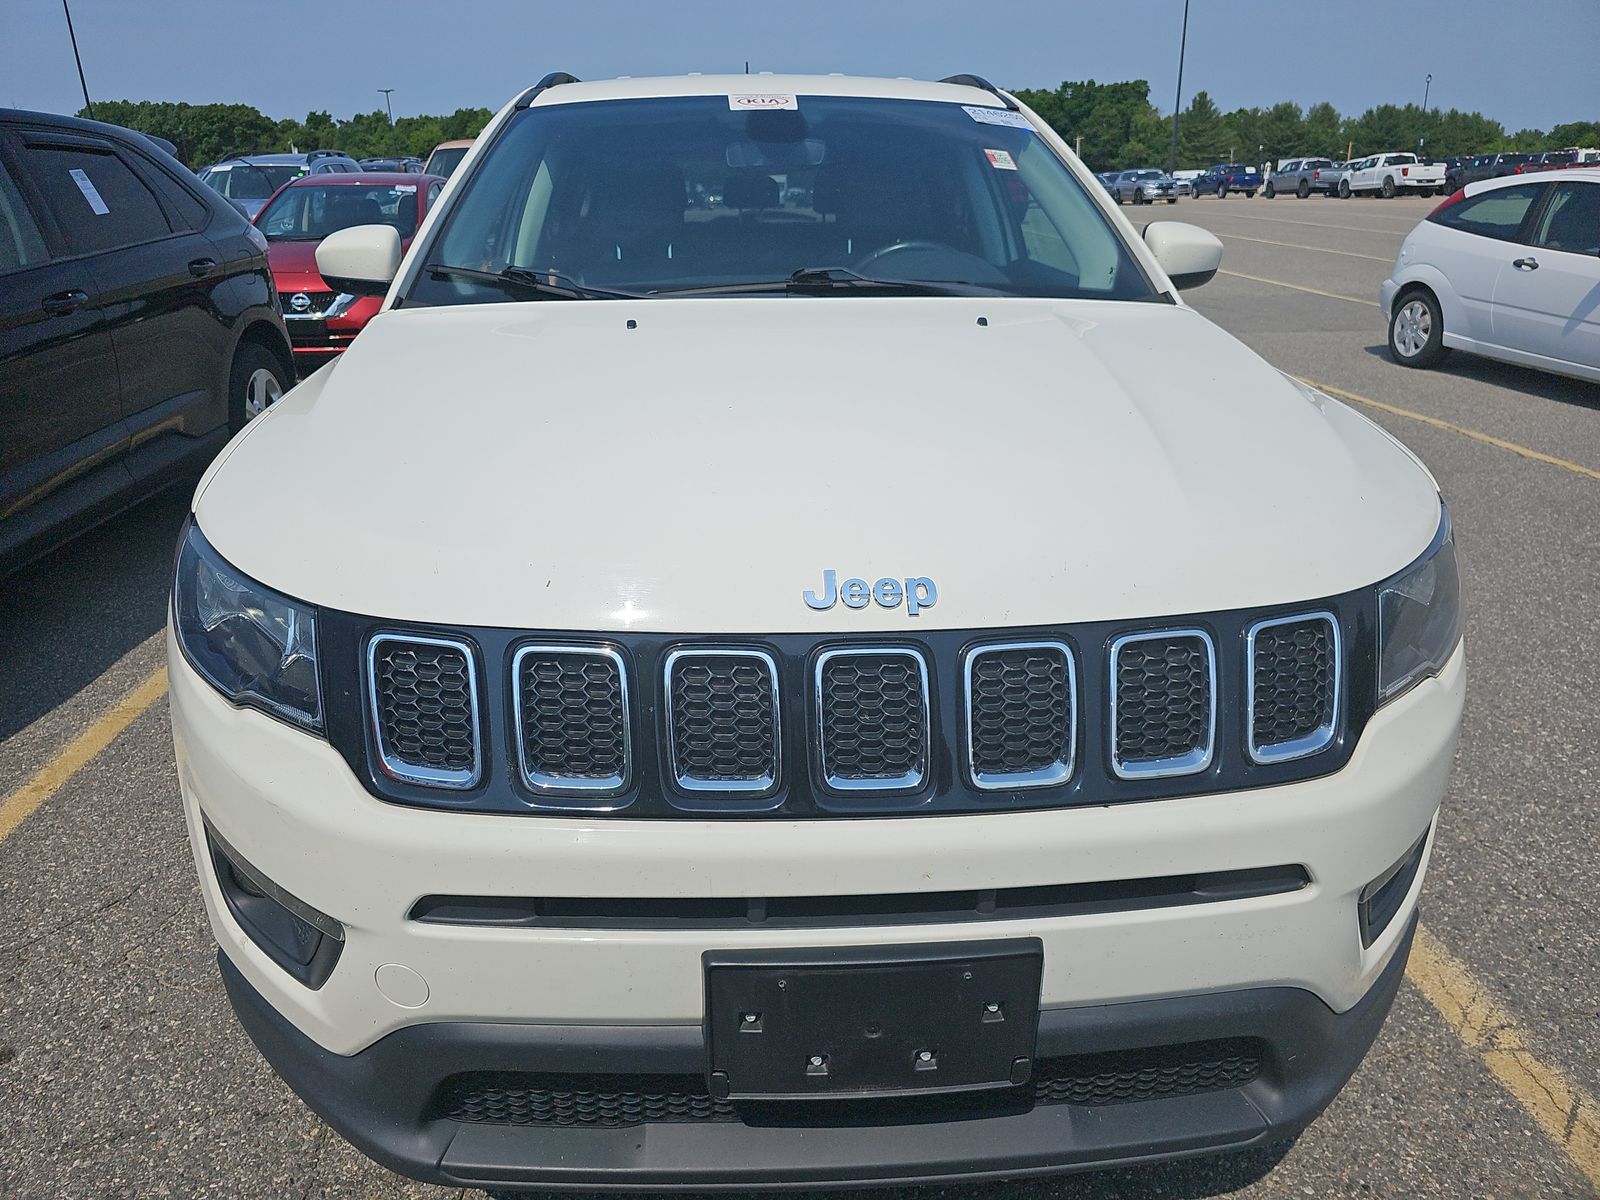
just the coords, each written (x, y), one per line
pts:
(684, 195)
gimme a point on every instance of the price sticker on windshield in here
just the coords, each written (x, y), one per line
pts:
(996, 116)
(1000, 160)
(763, 103)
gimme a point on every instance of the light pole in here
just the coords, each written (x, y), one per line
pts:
(1422, 121)
(81, 82)
(388, 105)
(1177, 100)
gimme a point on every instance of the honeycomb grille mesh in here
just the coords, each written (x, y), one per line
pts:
(1021, 710)
(574, 717)
(425, 706)
(874, 726)
(619, 1101)
(724, 719)
(1163, 691)
(1294, 676)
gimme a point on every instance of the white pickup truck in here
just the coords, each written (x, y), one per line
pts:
(1388, 175)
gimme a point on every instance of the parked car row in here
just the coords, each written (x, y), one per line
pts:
(248, 179)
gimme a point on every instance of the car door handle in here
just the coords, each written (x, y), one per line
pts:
(62, 303)
(201, 267)
(1525, 264)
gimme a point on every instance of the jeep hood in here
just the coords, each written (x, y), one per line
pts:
(545, 466)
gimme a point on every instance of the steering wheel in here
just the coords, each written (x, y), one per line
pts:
(902, 248)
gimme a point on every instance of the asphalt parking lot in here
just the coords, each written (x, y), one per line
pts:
(123, 1073)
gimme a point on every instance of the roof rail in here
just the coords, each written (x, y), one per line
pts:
(554, 79)
(311, 154)
(983, 85)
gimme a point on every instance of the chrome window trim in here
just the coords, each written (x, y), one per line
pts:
(1061, 771)
(551, 785)
(1321, 737)
(763, 786)
(1182, 764)
(911, 779)
(412, 772)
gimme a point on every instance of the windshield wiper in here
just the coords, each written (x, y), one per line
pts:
(538, 283)
(815, 281)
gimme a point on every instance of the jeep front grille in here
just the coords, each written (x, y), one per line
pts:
(872, 719)
(424, 697)
(1294, 666)
(1021, 714)
(572, 719)
(722, 720)
(1163, 709)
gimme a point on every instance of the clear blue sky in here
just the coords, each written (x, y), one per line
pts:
(1534, 63)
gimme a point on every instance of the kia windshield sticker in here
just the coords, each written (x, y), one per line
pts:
(765, 102)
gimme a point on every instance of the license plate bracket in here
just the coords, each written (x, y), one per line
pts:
(859, 1022)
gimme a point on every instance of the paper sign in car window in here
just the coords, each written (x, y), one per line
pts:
(997, 116)
(1001, 160)
(405, 187)
(765, 102)
(90, 192)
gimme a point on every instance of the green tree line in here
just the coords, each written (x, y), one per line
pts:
(1115, 123)
(1120, 128)
(205, 133)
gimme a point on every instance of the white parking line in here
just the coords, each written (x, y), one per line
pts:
(1239, 237)
(1399, 233)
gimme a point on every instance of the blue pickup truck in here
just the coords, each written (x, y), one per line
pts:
(1223, 178)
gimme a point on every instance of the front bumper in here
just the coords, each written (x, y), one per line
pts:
(560, 998)
(386, 1099)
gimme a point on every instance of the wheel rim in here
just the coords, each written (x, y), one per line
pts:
(1413, 326)
(261, 392)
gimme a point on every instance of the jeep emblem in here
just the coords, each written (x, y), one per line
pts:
(917, 592)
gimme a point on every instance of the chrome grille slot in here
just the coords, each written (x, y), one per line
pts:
(722, 720)
(1293, 671)
(872, 718)
(1021, 714)
(1163, 703)
(424, 697)
(572, 718)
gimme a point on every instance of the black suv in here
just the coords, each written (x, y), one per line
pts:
(138, 326)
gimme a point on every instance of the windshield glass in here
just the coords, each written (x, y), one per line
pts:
(685, 193)
(1146, 174)
(442, 162)
(311, 211)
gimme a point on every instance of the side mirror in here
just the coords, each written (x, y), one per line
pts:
(361, 260)
(1188, 254)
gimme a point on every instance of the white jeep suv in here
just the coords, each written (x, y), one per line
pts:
(763, 668)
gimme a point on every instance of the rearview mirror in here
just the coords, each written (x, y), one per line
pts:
(361, 260)
(1188, 254)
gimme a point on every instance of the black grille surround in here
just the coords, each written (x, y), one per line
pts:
(802, 789)
(625, 1101)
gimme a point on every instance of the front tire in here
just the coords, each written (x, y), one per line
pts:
(256, 382)
(1138, 197)
(1416, 331)
(1344, 189)
(1272, 192)
(1388, 187)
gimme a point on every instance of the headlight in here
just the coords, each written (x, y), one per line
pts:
(1419, 617)
(253, 645)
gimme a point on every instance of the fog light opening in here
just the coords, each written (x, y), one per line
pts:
(1381, 899)
(302, 940)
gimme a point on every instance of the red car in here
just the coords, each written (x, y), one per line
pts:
(303, 212)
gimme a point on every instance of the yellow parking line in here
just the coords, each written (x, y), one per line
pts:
(1486, 438)
(1569, 1117)
(1295, 287)
(1239, 237)
(16, 807)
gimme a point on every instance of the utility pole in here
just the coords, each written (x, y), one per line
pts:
(1422, 122)
(1177, 101)
(388, 105)
(88, 107)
